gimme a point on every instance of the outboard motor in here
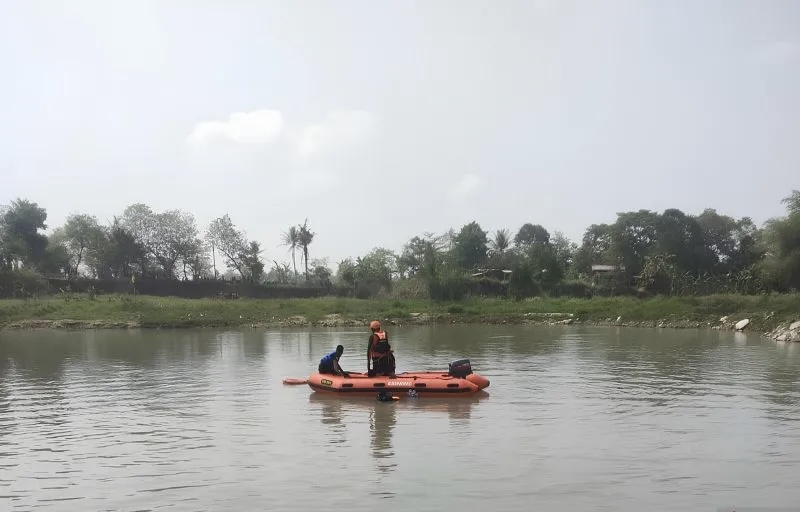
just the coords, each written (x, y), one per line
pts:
(460, 368)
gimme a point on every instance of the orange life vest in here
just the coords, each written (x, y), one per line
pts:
(379, 347)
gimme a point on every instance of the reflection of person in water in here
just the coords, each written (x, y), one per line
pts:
(331, 417)
(331, 412)
(382, 419)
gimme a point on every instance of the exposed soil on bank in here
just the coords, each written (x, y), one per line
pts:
(779, 331)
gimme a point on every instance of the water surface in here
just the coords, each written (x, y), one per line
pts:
(576, 419)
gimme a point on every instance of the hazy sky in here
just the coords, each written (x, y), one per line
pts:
(382, 120)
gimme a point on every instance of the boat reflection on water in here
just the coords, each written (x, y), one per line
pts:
(382, 417)
(457, 408)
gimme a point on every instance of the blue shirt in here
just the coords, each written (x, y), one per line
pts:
(328, 359)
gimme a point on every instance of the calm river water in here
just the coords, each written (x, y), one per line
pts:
(576, 419)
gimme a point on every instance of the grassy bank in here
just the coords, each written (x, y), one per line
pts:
(765, 312)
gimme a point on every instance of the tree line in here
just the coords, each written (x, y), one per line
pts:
(641, 252)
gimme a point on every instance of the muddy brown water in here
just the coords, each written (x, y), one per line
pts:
(575, 419)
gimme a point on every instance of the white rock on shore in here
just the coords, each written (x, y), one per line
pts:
(787, 333)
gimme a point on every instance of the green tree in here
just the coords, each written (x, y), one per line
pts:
(633, 235)
(320, 273)
(251, 261)
(792, 202)
(22, 243)
(499, 245)
(731, 242)
(176, 239)
(530, 234)
(168, 236)
(470, 246)
(544, 265)
(564, 251)
(370, 274)
(596, 248)
(781, 242)
(79, 235)
(223, 236)
(192, 258)
(280, 273)
(116, 253)
(659, 273)
(681, 236)
(56, 260)
(198, 262)
(377, 266)
(524, 279)
(346, 272)
(421, 255)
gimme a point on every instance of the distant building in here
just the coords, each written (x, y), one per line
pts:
(599, 271)
(492, 273)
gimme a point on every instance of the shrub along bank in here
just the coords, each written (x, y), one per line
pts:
(765, 312)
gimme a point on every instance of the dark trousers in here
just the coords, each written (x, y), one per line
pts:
(383, 365)
(326, 368)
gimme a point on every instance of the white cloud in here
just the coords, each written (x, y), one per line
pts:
(340, 129)
(466, 187)
(262, 126)
(302, 159)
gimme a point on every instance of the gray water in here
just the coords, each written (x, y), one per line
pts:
(576, 419)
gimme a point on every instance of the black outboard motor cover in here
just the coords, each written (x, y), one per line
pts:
(460, 368)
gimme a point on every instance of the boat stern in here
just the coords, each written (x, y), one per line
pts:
(462, 369)
(479, 380)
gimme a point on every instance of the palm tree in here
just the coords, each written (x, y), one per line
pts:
(305, 237)
(500, 244)
(291, 239)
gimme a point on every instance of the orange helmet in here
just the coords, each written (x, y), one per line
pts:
(374, 324)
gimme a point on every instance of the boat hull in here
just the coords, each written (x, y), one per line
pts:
(423, 383)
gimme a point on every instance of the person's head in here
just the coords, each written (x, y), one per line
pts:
(339, 350)
(375, 325)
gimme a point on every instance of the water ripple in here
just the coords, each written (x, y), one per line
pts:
(576, 419)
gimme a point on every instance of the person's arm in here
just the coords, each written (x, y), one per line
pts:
(337, 368)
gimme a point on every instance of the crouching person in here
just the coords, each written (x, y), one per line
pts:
(329, 364)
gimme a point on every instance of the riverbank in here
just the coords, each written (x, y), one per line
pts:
(765, 313)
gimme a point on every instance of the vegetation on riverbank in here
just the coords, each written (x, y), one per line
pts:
(765, 312)
(157, 269)
(640, 253)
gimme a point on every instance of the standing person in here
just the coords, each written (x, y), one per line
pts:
(329, 364)
(379, 352)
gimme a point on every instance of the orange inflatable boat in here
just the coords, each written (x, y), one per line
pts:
(458, 380)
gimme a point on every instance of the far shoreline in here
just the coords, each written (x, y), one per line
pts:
(334, 322)
(772, 316)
